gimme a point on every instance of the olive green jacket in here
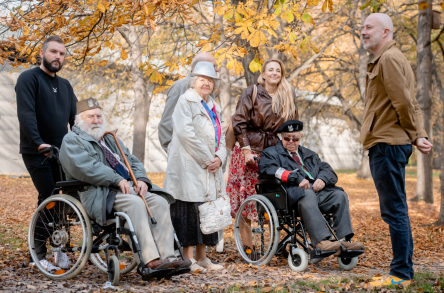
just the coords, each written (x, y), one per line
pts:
(82, 159)
(391, 114)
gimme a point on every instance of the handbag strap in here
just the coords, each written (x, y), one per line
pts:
(218, 189)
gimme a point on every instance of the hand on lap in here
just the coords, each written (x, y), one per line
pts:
(318, 185)
(142, 188)
(124, 186)
(305, 184)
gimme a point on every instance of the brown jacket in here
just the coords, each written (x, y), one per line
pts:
(256, 125)
(391, 114)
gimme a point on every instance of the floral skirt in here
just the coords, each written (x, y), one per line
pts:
(241, 181)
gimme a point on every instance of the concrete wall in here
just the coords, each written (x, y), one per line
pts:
(10, 160)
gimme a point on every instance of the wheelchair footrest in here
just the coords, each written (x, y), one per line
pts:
(178, 272)
(159, 274)
(352, 253)
(317, 253)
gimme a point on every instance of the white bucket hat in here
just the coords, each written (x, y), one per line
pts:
(206, 69)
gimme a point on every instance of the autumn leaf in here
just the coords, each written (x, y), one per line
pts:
(324, 6)
(423, 5)
(193, 2)
(330, 5)
(442, 6)
(255, 40)
(255, 65)
(123, 54)
(25, 30)
(306, 17)
(102, 63)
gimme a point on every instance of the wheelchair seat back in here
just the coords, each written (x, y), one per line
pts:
(274, 192)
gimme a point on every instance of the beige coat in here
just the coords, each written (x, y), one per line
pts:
(391, 114)
(191, 150)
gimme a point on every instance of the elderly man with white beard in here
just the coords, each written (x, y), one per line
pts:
(89, 156)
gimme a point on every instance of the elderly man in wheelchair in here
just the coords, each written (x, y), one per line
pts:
(294, 184)
(121, 223)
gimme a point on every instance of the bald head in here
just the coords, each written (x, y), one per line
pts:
(204, 56)
(377, 31)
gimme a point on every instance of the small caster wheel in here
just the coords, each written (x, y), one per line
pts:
(347, 263)
(298, 260)
(114, 270)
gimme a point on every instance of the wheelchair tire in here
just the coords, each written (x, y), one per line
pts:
(68, 225)
(347, 263)
(298, 260)
(273, 224)
(114, 270)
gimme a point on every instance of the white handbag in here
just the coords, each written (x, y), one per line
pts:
(215, 215)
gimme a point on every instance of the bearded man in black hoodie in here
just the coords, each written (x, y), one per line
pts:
(46, 104)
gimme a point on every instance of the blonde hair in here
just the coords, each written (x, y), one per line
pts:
(283, 102)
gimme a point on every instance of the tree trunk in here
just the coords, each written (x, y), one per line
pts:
(141, 97)
(424, 187)
(250, 77)
(440, 221)
(225, 85)
(364, 168)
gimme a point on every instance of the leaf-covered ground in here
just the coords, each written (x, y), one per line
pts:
(18, 201)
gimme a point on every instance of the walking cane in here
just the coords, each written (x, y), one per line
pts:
(113, 133)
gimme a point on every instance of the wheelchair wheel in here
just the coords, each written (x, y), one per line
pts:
(347, 263)
(62, 227)
(113, 270)
(298, 260)
(257, 238)
(126, 259)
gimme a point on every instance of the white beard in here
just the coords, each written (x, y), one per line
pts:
(96, 131)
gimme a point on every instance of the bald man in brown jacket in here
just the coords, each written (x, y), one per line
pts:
(392, 124)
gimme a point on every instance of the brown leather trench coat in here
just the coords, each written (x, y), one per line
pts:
(256, 125)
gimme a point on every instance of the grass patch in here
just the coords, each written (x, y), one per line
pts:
(424, 281)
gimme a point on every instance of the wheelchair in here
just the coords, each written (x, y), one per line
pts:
(259, 239)
(62, 224)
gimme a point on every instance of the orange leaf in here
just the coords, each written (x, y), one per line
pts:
(423, 5)
(26, 30)
(123, 54)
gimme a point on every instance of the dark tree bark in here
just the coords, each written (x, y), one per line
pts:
(440, 221)
(424, 187)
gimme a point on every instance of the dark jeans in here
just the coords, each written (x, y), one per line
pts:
(44, 178)
(387, 164)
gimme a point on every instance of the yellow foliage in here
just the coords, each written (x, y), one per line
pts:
(423, 5)
(123, 54)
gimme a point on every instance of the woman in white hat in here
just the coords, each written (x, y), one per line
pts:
(195, 156)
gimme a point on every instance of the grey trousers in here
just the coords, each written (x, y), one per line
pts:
(314, 204)
(156, 241)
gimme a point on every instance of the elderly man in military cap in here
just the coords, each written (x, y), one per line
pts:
(89, 156)
(311, 186)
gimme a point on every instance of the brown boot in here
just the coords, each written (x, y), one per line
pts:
(353, 246)
(326, 245)
(180, 264)
(158, 264)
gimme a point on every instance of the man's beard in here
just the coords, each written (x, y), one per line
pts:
(373, 41)
(50, 65)
(96, 131)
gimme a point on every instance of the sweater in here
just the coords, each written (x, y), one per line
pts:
(45, 107)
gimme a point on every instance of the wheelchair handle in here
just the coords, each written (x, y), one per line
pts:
(257, 159)
(45, 150)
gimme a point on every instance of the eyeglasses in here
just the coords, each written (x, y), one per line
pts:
(287, 138)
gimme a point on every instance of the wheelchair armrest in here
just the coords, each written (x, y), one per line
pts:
(71, 183)
(270, 181)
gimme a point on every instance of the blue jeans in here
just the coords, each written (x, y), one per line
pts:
(387, 164)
